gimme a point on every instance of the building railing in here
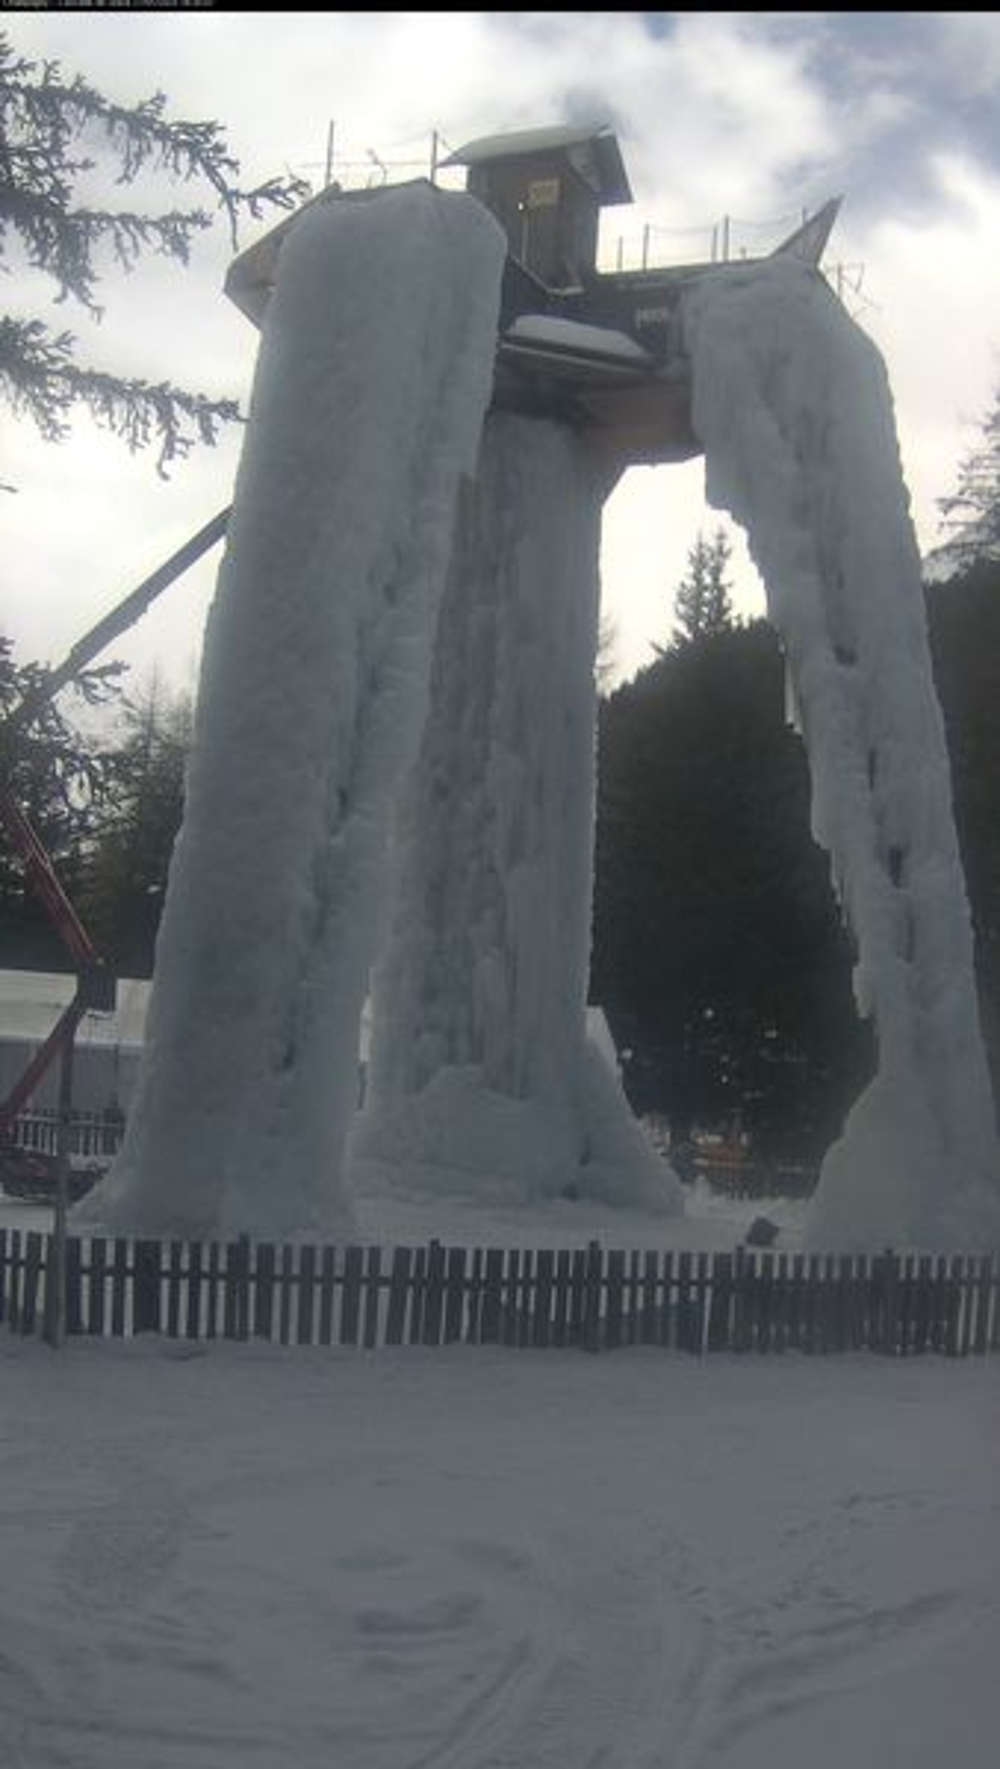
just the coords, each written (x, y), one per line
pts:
(636, 245)
(93, 1136)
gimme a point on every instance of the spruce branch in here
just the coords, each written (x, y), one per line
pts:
(54, 130)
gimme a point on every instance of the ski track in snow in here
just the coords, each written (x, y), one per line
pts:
(472, 1560)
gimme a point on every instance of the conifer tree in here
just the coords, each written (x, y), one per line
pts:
(63, 776)
(702, 604)
(126, 872)
(54, 131)
(972, 513)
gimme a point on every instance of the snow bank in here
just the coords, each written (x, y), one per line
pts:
(480, 1065)
(792, 404)
(374, 373)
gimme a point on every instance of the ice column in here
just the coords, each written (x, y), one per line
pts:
(792, 404)
(374, 373)
(481, 1072)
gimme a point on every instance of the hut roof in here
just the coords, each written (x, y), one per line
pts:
(523, 143)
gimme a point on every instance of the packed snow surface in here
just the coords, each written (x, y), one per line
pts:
(218, 1557)
(374, 373)
(792, 405)
(481, 1069)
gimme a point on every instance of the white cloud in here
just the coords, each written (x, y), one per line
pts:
(740, 114)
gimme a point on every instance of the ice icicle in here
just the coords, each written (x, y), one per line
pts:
(792, 404)
(481, 1074)
(374, 373)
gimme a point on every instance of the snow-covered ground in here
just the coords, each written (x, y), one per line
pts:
(388, 1215)
(478, 1559)
(218, 1556)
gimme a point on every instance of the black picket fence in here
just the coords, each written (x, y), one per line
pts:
(589, 1297)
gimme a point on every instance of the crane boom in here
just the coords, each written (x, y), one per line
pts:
(95, 983)
(118, 621)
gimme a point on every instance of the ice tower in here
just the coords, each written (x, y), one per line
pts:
(401, 656)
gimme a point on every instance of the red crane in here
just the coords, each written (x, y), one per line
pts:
(95, 985)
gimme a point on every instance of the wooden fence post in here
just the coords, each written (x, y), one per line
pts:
(779, 1304)
(399, 1290)
(885, 1334)
(666, 1325)
(327, 1286)
(454, 1295)
(722, 1297)
(417, 1292)
(592, 1297)
(32, 1274)
(146, 1287)
(474, 1290)
(192, 1325)
(742, 1282)
(576, 1330)
(511, 1298)
(120, 1270)
(685, 1309)
(434, 1295)
(286, 1287)
(489, 1325)
(263, 1285)
(525, 1308)
(765, 1303)
(813, 1304)
(982, 1292)
(615, 1288)
(632, 1295)
(373, 1282)
(74, 1286)
(15, 1274)
(649, 1276)
(703, 1291)
(544, 1271)
(174, 1289)
(212, 1282)
(350, 1308)
(307, 1295)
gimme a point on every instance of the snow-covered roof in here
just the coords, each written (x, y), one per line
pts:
(571, 334)
(523, 141)
(614, 184)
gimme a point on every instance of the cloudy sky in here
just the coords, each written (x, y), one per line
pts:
(752, 116)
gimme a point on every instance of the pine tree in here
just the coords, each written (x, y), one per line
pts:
(63, 778)
(718, 950)
(702, 603)
(972, 513)
(126, 872)
(50, 126)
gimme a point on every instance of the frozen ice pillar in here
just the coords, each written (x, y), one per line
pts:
(374, 373)
(792, 405)
(481, 1076)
